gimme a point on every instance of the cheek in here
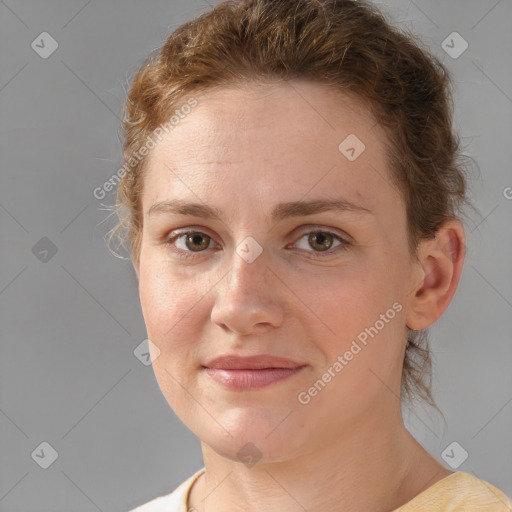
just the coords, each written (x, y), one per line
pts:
(168, 310)
(353, 298)
(166, 303)
(364, 311)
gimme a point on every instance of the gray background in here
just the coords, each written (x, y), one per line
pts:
(70, 324)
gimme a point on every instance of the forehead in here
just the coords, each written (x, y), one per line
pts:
(271, 140)
(297, 109)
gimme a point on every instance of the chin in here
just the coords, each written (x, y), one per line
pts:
(249, 434)
(251, 449)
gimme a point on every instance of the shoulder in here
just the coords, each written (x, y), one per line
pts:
(460, 492)
(176, 501)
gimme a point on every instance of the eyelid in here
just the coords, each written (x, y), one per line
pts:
(176, 233)
(308, 228)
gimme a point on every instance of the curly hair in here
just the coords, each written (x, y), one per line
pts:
(346, 44)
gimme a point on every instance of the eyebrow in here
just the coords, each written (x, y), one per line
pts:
(280, 212)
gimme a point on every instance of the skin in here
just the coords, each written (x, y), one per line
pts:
(245, 149)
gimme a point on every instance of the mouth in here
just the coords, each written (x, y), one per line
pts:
(251, 372)
(251, 379)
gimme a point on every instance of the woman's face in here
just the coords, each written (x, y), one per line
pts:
(257, 280)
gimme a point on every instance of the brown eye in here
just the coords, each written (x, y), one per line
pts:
(196, 241)
(321, 243)
(320, 240)
(189, 244)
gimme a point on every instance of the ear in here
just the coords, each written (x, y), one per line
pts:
(438, 272)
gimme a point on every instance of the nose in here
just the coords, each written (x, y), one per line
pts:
(249, 300)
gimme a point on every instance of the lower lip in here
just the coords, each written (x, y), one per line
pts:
(251, 379)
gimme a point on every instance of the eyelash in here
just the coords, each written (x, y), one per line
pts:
(169, 241)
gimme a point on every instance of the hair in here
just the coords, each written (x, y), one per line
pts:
(346, 44)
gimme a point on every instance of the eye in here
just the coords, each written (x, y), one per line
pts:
(322, 242)
(191, 242)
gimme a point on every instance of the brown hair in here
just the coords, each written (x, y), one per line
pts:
(346, 44)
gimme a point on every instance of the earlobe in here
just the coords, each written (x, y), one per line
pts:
(441, 260)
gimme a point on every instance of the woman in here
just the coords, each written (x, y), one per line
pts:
(291, 202)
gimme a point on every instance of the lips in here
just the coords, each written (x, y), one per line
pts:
(259, 362)
(251, 372)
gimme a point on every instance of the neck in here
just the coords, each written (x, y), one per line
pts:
(378, 467)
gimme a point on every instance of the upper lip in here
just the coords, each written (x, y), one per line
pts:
(258, 362)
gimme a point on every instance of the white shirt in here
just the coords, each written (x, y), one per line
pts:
(174, 502)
